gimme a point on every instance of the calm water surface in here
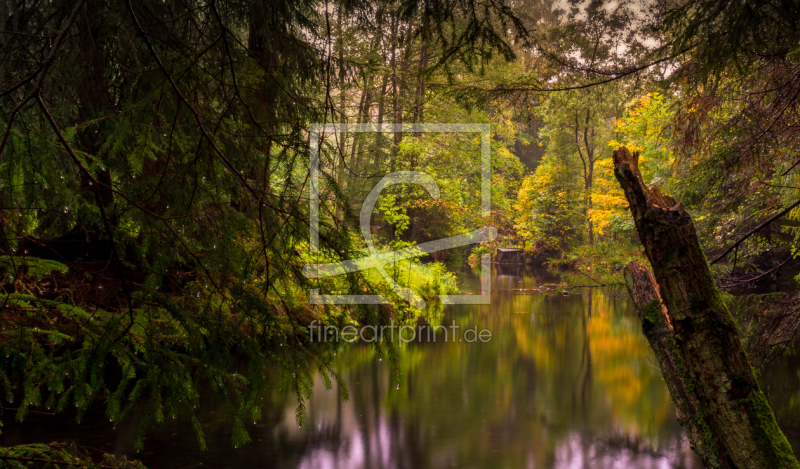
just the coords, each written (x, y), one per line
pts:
(565, 382)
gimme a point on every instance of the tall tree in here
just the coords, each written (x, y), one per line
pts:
(154, 160)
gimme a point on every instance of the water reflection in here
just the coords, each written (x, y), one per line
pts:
(780, 382)
(566, 381)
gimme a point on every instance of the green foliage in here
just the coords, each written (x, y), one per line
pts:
(155, 217)
(30, 266)
(394, 214)
(585, 202)
(602, 262)
(432, 279)
(730, 37)
(549, 206)
(646, 128)
(59, 455)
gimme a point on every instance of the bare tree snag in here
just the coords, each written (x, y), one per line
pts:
(658, 331)
(742, 431)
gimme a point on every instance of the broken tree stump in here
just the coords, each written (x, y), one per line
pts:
(742, 431)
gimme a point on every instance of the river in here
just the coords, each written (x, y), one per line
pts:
(566, 381)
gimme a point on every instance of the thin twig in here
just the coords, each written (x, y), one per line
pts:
(43, 68)
(755, 230)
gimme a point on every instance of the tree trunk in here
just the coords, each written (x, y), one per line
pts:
(742, 431)
(260, 44)
(376, 160)
(341, 137)
(358, 142)
(658, 331)
(419, 100)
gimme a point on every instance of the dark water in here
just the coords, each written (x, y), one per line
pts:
(565, 382)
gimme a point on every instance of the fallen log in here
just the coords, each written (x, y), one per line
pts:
(741, 428)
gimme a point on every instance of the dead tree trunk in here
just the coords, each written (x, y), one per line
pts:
(658, 331)
(742, 431)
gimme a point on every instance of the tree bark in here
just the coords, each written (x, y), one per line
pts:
(659, 333)
(588, 169)
(393, 68)
(419, 100)
(742, 431)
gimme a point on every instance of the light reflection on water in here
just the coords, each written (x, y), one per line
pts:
(565, 382)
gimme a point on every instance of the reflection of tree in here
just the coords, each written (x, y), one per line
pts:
(586, 357)
(506, 403)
